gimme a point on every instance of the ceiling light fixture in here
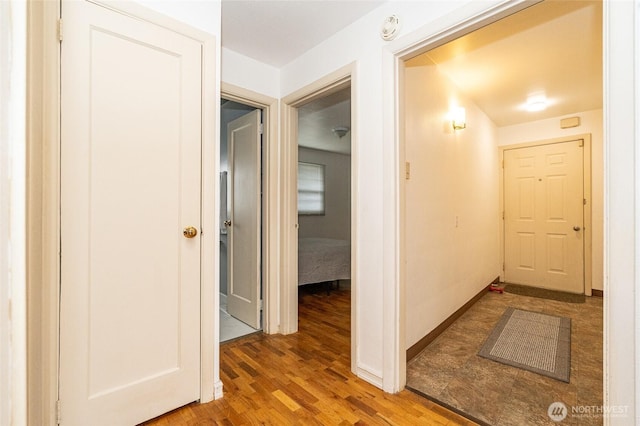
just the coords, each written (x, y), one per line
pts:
(340, 131)
(536, 103)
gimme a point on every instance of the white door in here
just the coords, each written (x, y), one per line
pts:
(544, 201)
(130, 183)
(243, 298)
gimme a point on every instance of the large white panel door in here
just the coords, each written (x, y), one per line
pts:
(130, 184)
(243, 298)
(543, 196)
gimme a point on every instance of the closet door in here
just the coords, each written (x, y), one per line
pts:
(130, 218)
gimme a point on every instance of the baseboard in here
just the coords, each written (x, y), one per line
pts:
(217, 390)
(424, 342)
(597, 293)
(369, 376)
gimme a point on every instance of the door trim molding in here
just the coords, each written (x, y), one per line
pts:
(586, 176)
(43, 210)
(331, 83)
(43, 198)
(271, 194)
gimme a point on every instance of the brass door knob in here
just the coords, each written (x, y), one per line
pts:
(189, 232)
(576, 228)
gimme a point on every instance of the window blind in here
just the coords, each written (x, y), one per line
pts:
(310, 188)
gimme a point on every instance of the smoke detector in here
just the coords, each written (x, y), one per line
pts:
(390, 28)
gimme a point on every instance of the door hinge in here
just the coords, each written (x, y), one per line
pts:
(581, 144)
(261, 128)
(407, 170)
(502, 266)
(261, 304)
(58, 412)
(60, 30)
(584, 201)
(502, 214)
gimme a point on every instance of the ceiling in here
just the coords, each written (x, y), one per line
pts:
(552, 48)
(277, 32)
(317, 118)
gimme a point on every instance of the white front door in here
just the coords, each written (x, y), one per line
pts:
(243, 298)
(544, 201)
(130, 183)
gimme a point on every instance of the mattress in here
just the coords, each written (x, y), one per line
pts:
(323, 259)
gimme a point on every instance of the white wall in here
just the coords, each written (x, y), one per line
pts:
(336, 222)
(248, 73)
(452, 202)
(375, 266)
(590, 122)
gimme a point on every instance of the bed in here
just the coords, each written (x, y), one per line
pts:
(323, 260)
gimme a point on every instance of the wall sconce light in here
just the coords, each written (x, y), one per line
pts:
(458, 118)
(340, 131)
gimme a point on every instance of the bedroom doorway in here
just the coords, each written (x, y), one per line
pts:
(324, 203)
(240, 220)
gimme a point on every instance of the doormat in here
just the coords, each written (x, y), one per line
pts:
(543, 293)
(532, 341)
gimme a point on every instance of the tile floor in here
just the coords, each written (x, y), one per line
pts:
(450, 371)
(230, 327)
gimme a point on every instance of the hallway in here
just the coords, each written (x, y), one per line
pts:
(305, 378)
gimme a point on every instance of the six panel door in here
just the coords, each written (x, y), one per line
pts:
(544, 199)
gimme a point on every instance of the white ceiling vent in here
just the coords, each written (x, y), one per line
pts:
(390, 28)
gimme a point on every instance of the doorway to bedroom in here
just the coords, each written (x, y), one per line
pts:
(240, 220)
(324, 210)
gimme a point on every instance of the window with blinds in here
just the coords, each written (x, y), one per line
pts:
(310, 189)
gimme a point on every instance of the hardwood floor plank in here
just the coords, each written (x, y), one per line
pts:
(304, 379)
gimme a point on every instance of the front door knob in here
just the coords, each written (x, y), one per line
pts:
(189, 232)
(576, 228)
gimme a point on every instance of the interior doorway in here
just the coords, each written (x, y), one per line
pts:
(324, 194)
(335, 82)
(240, 219)
(452, 192)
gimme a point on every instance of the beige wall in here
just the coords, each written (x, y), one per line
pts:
(452, 202)
(336, 222)
(590, 122)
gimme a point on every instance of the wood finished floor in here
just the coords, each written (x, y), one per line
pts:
(305, 379)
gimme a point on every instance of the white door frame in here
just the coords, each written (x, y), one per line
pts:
(43, 216)
(270, 194)
(586, 182)
(338, 80)
(621, 167)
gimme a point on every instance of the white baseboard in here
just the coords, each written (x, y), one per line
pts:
(217, 390)
(369, 376)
